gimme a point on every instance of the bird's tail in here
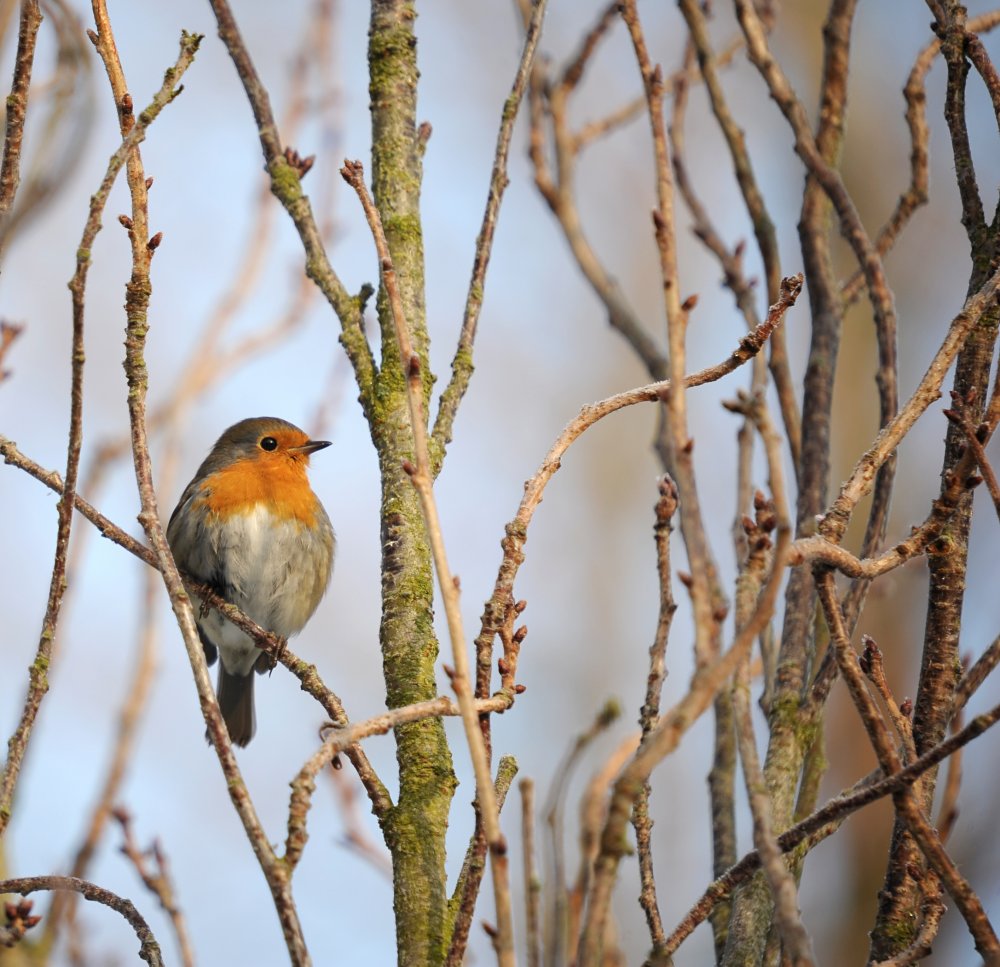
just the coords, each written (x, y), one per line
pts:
(235, 693)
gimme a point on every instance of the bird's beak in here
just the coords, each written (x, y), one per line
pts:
(311, 446)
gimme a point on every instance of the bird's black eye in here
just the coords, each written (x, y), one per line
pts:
(268, 443)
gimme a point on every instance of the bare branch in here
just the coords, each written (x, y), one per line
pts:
(149, 949)
(461, 366)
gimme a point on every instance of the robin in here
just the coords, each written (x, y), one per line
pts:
(250, 526)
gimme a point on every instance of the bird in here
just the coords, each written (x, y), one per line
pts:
(250, 526)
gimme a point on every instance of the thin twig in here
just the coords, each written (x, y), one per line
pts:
(136, 692)
(517, 529)
(859, 482)
(826, 820)
(705, 685)
(137, 297)
(159, 882)
(948, 810)
(149, 949)
(907, 807)
(466, 893)
(753, 200)
(558, 947)
(422, 476)
(461, 366)
(38, 682)
(975, 434)
(593, 812)
(287, 188)
(976, 675)
(17, 104)
(666, 507)
(532, 883)
(872, 665)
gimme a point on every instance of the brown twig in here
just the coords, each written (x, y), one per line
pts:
(666, 507)
(560, 944)
(149, 949)
(17, 104)
(532, 882)
(770, 515)
(287, 188)
(753, 200)
(516, 531)
(556, 187)
(157, 882)
(138, 292)
(872, 665)
(461, 366)
(948, 809)
(355, 835)
(859, 482)
(593, 811)
(466, 892)
(976, 675)
(705, 685)
(826, 820)
(136, 692)
(38, 682)
(975, 434)
(907, 807)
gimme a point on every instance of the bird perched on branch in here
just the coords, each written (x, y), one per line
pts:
(249, 526)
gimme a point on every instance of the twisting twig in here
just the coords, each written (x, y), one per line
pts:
(149, 949)
(517, 529)
(461, 366)
(138, 292)
(422, 476)
(666, 507)
(824, 821)
(859, 483)
(907, 806)
(158, 882)
(38, 684)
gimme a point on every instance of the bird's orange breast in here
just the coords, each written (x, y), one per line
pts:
(279, 484)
